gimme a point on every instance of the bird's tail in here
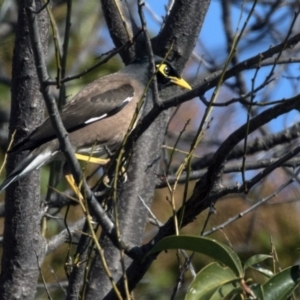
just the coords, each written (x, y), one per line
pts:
(28, 164)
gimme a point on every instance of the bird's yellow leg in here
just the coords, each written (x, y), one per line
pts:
(95, 160)
(71, 181)
(89, 158)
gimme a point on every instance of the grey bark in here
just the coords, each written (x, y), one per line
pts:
(23, 245)
(145, 161)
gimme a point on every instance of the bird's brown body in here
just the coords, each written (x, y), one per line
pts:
(94, 101)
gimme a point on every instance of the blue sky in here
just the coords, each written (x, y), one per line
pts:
(212, 35)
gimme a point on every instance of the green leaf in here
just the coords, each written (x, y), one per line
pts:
(227, 291)
(280, 286)
(257, 289)
(263, 271)
(207, 246)
(208, 281)
(255, 260)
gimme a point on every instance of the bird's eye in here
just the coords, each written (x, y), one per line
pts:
(167, 70)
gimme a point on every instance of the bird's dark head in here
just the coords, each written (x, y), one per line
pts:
(166, 74)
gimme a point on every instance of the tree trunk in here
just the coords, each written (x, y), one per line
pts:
(23, 245)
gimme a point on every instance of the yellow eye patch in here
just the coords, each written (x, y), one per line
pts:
(163, 69)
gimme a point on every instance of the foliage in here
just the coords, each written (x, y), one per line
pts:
(226, 279)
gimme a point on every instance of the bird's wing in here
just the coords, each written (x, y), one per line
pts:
(101, 99)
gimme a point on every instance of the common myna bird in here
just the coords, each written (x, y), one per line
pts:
(97, 118)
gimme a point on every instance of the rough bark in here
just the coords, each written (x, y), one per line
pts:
(23, 245)
(145, 162)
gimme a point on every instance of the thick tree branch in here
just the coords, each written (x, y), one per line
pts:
(23, 241)
(64, 236)
(144, 163)
(229, 168)
(122, 27)
(258, 144)
(179, 32)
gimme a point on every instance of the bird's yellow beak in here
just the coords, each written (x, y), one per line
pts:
(180, 82)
